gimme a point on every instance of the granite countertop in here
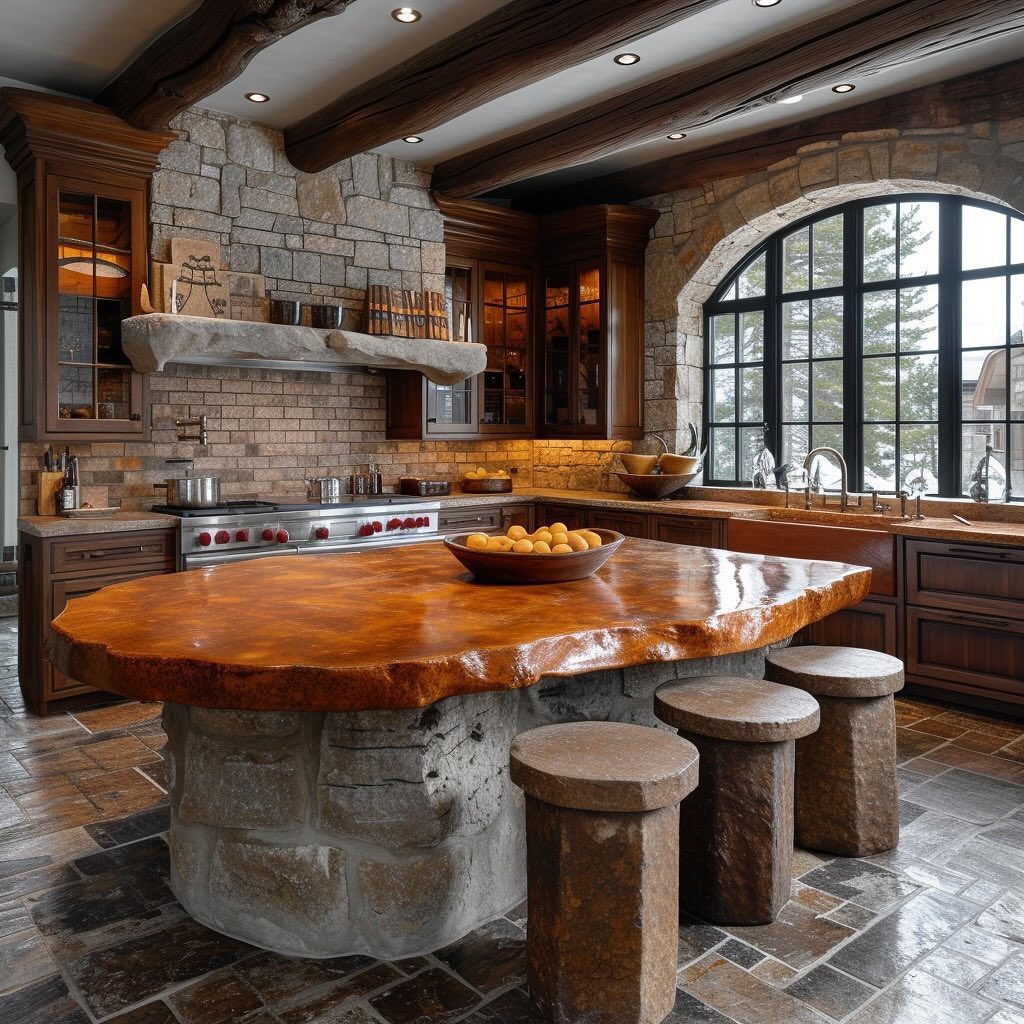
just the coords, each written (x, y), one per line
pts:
(118, 522)
(434, 631)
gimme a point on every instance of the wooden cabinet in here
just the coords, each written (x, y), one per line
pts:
(83, 201)
(707, 533)
(53, 571)
(592, 351)
(632, 524)
(574, 516)
(873, 624)
(965, 620)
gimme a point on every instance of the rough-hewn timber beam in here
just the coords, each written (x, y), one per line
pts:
(520, 43)
(993, 94)
(203, 52)
(869, 36)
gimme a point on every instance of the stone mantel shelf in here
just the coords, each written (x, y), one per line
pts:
(153, 340)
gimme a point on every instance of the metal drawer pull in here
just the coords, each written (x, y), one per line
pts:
(978, 554)
(978, 620)
(111, 552)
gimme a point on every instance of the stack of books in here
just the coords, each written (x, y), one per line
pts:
(404, 313)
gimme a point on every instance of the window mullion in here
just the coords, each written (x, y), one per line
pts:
(950, 408)
(853, 375)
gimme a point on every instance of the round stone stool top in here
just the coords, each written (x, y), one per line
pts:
(836, 671)
(604, 766)
(737, 708)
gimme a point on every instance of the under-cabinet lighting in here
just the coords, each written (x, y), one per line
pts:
(767, 3)
(625, 59)
(792, 99)
(844, 87)
(676, 136)
(406, 15)
(412, 139)
(257, 97)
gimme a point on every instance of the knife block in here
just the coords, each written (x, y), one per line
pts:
(49, 486)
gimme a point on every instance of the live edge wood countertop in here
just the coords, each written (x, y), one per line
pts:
(406, 627)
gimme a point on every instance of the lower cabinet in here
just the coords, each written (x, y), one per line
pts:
(872, 624)
(630, 524)
(706, 533)
(576, 517)
(484, 518)
(53, 571)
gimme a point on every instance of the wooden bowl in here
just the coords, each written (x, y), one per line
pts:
(508, 567)
(655, 486)
(679, 465)
(496, 485)
(638, 465)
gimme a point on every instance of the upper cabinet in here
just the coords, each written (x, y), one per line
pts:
(83, 201)
(592, 363)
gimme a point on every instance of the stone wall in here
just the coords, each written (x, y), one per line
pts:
(704, 232)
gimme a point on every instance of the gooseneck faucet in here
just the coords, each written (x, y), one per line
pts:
(844, 494)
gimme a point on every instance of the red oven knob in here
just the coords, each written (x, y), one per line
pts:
(409, 524)
(223, 537)
(204, 539)
(241, 535)
(394, 524)
(282, 536)
(377, 526)
(366, 530)
(268, 534)
(422, 521)
(322, 533)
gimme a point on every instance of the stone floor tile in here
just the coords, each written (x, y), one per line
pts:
(10, 812)
(57, 762)
(40, 851)
(115, 977)
(325, 1003)
(833, 993)
(932, 835)
(280, 979)
(688, 1010)
(773, 971)
(901, 938)
(515, 1007)
(983, 891)
(937, 727)
(925, 874)
(123, 752)
(993, 861)
(814, 899)
(926, 766)
(11, 768)
(1013, 751)
(14, 918)
(869, 885)
(740, 996)
(696, 938)
(853, 916)
(491, 957)
(433, 997)
(1006, 833)
(919, 998)
(984, 742)
(517, 915)
(121, 793)
(1005, 917)
(913, 744)
(969, 796)
(982, 942)
(907, 779)
(957, 969)
(23, 959)
(118, 716)
(156, 1012)
(43, 1002)
(807, 860)
(36, 880)
(1007, 1017)
(983, 723)
(988, 765)
(740, 953)
(909, 812)
(798, 937)
(134, 826)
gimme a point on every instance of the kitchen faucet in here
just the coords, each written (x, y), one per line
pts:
(844, 494)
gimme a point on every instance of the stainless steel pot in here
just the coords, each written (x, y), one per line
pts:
(191, 491)
(324, 489)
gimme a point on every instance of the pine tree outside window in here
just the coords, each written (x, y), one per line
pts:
(891, 329)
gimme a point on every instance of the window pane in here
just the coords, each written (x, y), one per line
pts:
(1017, 309)
(795, 378)
(880, 243)
(984, 312)
(1017, 383)
(828, 391)
(919, 239)
(983, 385)
(752, 280)
(919, 457)
(828, 253)
(828, 327)
(919, 388)
(795, 444)
(984, 238)
(752, 395)
(975, 437)
(752, 336)
(795, 325)
(879, 322)
(880, 457)
(879, 389)
(824, 468)
(796, 261)
(725, 396)
(1016, 460)
(1016, 249)
(919, 318)
(723, 329)
(723, 454)
(751, 443)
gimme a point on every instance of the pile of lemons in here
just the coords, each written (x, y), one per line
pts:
(556, 539)
(482, 474)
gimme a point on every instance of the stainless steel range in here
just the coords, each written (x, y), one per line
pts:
(257, 529)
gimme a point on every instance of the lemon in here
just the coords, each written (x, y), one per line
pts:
(504, 543)
(558, 528)
(477, 541)
(593, 539)
(517, 532)
(577, 543)
(494, 544)
(559, 537)
(541, 547)
(523, 547)
(543, 535)
(561, 549)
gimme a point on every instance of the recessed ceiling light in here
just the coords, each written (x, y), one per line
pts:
(767, 3)
(676, 136)
(627, 58)
(792, 99)
(844, 87)
(257, 97)
(412, 139)
(406, 15)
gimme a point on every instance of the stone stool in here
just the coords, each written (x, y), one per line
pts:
(602, 828)
(736, 839)
(847, 801)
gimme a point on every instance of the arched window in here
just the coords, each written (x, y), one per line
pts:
(891, 329)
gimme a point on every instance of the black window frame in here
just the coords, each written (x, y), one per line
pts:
(949, 281)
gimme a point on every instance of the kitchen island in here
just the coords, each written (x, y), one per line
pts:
(339, 726)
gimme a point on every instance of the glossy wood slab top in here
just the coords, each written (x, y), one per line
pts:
(406, 627)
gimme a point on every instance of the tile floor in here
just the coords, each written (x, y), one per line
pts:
(932, 933)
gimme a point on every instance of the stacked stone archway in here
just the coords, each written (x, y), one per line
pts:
(704, 232)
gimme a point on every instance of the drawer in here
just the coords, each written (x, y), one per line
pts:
(632, 524)
(93, 553)
(471, 520)
(966, 577)
(967, 653)
(704, 533)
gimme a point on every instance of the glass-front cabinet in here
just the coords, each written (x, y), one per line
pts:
(505, 386)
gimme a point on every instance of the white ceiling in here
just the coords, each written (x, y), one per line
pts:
(77, 47)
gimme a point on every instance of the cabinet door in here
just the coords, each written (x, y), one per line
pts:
(558, 412)
(96, 262)
(574, 516)
(631, 524)
(870, 624)
(517, 515)
(705, 533)
(470, 520)
(451, 410)
(506, 312)
(966, 577)
(972, 654)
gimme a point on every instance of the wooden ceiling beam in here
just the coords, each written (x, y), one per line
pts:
(992, 94)
(202, 53)
(868, 37)
(520, 43)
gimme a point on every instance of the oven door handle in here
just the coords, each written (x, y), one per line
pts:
(203, 561)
